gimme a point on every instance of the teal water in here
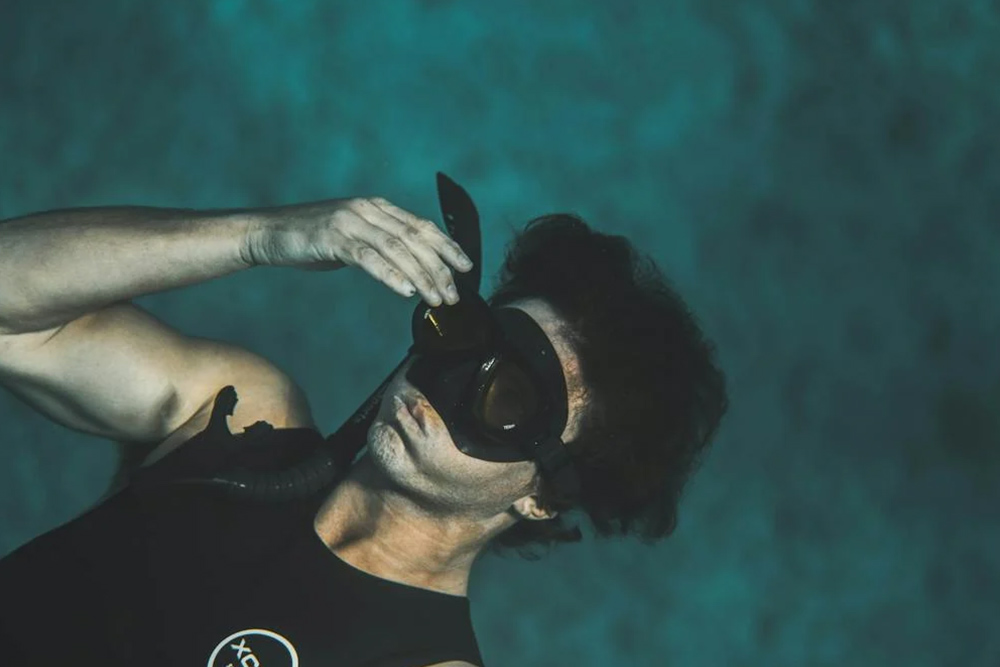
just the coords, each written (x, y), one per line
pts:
(821, 180)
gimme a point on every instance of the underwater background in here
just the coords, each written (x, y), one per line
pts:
(820, 180)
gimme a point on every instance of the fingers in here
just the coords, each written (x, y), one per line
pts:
(369, 259)
(443, 243)
(413, 246)
(432, 283)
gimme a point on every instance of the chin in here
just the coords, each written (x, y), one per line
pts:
(387, 451)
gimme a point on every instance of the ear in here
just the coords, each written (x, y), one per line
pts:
(527, 507)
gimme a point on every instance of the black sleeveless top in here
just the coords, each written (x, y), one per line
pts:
(176, 576)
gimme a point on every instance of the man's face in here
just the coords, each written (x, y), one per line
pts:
(429, 466)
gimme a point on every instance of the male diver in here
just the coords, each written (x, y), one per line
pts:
(243, 536)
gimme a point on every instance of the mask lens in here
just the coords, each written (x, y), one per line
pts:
(509, 400)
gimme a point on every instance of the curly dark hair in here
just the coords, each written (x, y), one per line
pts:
(654, 395)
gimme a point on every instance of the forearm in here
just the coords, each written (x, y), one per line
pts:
(59, 265)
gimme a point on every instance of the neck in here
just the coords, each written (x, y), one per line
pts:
(384, 533)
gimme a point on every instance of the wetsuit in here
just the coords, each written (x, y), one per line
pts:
(173, 575)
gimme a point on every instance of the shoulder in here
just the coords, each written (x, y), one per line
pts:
(264, 394)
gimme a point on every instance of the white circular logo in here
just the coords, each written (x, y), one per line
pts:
(254, 648)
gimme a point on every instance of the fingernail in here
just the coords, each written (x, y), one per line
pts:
(452, 292)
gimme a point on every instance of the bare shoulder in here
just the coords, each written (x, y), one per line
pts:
(264, 392)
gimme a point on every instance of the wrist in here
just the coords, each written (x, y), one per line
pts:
(256, 225)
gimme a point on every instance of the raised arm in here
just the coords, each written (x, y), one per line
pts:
(60, 265)
(74, 347)
(71, 344)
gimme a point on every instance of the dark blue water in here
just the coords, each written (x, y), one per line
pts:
(821, 180)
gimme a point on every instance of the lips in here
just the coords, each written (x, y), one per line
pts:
(416, 410)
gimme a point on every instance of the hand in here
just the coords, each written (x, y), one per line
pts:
(395, 246)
